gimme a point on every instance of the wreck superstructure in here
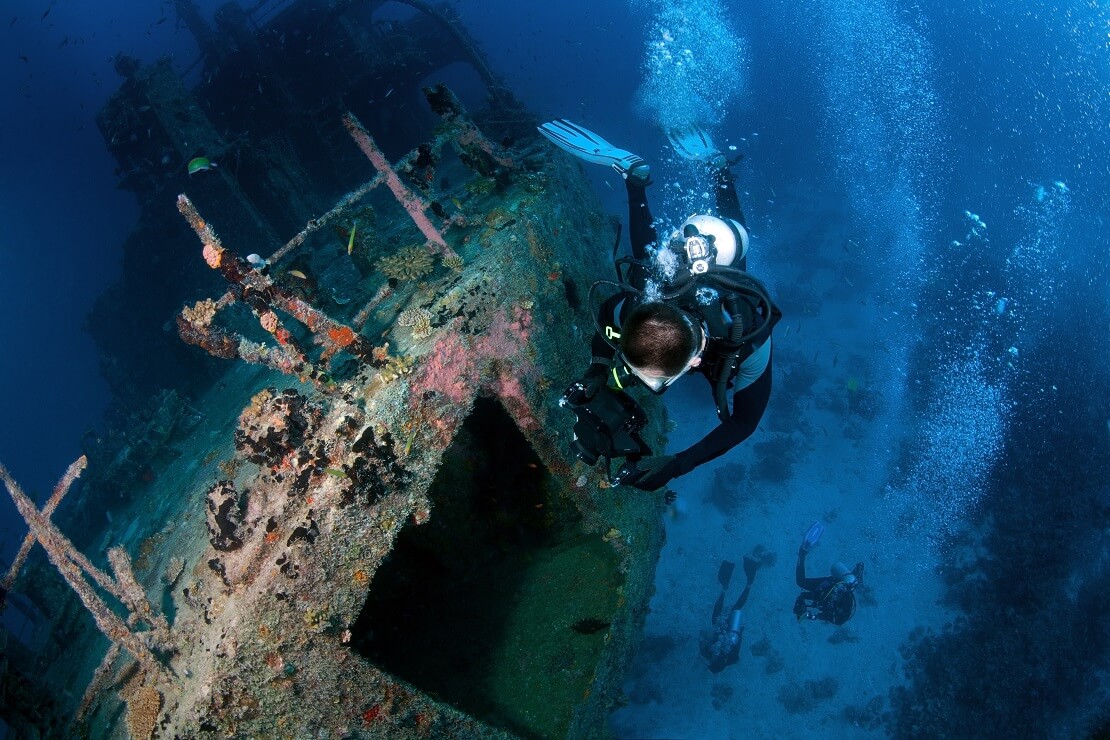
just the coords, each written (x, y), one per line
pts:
(265, 104)
(376, 529)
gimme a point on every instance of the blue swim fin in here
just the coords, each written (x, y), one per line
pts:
(813, 536)
(586, 145)
(696, 144)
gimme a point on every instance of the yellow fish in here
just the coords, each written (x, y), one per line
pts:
(457, 203)
(298, 274)
(351, 241)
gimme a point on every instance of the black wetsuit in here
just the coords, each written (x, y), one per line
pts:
(828, 599)
(748, 403)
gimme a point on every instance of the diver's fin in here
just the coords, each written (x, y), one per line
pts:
(695, 143)
(724, 575)
(585, 144)
(813, 536)
(751, 565)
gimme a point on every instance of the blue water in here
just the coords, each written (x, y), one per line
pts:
(944, 171)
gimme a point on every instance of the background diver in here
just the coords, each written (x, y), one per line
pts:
(831, 598)
(720, 647)
(687, 306)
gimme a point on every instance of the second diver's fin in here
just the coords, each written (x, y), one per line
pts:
(751, 565)
(695, 143)
(586, 145)
(724, 575)
(813, 535)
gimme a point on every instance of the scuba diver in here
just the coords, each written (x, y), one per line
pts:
(832, 598)
(685, 305)
(720, 647)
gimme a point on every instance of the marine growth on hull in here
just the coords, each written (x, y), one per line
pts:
(359, 515)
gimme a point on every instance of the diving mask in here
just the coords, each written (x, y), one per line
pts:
(658, 383)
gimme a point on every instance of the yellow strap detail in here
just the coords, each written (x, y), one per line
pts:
(611, 333)
(617, 379)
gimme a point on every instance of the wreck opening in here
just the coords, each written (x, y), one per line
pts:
(500, 604)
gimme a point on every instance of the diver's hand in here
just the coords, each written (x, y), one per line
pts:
(581, 391)
(649, 473)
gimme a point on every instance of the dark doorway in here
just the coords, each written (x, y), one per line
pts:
(482, 606)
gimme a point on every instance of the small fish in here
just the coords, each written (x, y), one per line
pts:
(46, 13)
(388, 93)
(298, 274)
(849, 281)
(787, 332)
(200, 164)
(351, 241)
(335, 472)
(836, 359)
(14, 19)
(456, 203)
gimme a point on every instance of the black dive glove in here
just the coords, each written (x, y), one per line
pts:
(581, 391)
(649, 473)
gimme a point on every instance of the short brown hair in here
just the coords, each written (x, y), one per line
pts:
(658, 337)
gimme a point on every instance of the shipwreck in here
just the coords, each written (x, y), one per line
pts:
(356, 514)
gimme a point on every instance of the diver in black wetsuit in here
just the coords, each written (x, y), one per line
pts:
(720, 647)
(709, 316)
(831, 598)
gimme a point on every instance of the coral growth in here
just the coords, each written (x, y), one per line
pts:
(200, 313)
(375, 469)
(481, 186)
(274, 425)
(143, 709)
(409, 263)
(225, 516)
(419, 319)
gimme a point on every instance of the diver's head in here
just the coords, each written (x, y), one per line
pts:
(660, 344)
